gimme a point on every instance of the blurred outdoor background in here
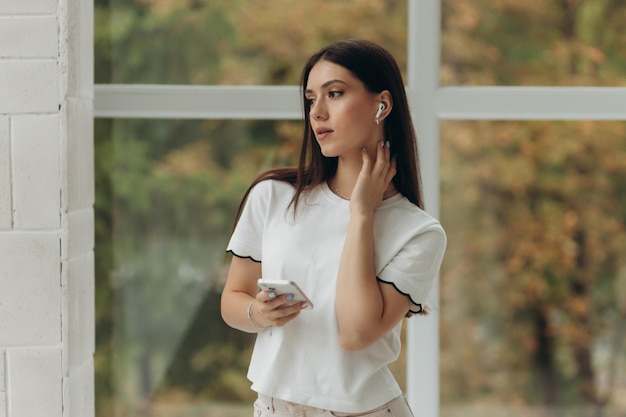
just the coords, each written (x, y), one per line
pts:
(533, 287)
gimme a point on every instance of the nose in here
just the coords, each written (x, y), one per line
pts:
(317, 111)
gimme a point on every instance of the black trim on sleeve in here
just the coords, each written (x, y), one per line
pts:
(242, 257)
(418, 305)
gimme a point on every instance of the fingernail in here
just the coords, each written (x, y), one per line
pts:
(272, 295)
(304, 305)
(382, 144)
(290, 297)
(364, 149)
(388, 144)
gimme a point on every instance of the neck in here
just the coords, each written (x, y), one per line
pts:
(343, 183)
(345, 178)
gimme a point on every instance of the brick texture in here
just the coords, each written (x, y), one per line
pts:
(36, 171)
(5, 174)
(35, 383)
(29, 37)
(29, 86)
(30, 305)
(47, 311)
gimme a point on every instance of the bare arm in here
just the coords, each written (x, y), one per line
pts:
(241, 293)
(366, 309)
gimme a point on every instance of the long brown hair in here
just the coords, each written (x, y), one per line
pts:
(378, 70)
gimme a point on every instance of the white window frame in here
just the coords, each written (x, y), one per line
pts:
(430, 103)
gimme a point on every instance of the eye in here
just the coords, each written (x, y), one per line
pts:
(309, 101)
(334, 94)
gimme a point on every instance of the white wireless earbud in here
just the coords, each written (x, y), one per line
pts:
(381, 107)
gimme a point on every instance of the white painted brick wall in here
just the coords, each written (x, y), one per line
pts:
(29, 86)
(5, 175)
(82, 401)
(29, 37)
(81, 232)
(36, 171)
(82, 311)
(80, 50)
(35, 382)
(3, 396)
(47, 306)
(30, 297)
(15, 7)
(80, 153)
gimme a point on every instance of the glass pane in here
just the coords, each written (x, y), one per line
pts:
(238, 42)
(167, 193)
(510, 42)
(533, 287)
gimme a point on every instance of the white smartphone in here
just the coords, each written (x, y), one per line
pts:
(285, 287)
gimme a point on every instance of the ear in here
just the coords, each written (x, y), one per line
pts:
(385, 98)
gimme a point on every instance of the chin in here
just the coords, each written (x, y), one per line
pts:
(327, 151)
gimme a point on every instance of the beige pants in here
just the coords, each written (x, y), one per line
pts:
(266, 406)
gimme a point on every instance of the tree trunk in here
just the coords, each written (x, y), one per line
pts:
(580, 310)
(544, 356)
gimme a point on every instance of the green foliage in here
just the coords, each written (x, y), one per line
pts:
(540, 225)
(531, 309)
(534, 213)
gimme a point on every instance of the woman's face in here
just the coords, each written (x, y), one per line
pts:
(342, 112)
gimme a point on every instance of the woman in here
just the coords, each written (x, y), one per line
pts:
(348, 226)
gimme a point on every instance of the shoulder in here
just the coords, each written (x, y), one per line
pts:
(268, 195)
(412, 218)
(404, 225)
(271, 188)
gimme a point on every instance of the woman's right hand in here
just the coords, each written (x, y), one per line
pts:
(374, 180)
(269, 309)
(245, 308)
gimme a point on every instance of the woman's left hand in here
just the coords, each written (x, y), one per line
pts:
(373, 181)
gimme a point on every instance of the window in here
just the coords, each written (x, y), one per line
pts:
(174, 122)
(532, 289)
(193, 100)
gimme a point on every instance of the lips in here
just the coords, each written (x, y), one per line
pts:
(322, 132)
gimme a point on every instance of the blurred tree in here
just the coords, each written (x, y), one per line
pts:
(174, 185)
(542, 225)
(535, 212)
(539, 205)
(507, 42)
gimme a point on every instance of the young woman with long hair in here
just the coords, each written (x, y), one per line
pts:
(347, 225)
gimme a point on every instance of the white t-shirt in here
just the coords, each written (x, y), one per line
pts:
(302, 362)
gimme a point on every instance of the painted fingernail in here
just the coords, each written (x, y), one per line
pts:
(290, 297)
(382, 144)
(272, 295)
(388, 144)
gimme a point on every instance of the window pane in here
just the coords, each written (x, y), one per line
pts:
(533, 286)
(167, 193)
(509, 42)
(236, 42)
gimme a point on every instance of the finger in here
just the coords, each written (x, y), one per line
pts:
(393, 169)
(289, 313)
(377, 164)
(285, 319)
(366, 160)
(265, 296)
(277, 301)
(387, 152)
(382, 159)
(281, 316)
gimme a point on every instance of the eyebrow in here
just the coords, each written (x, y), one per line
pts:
(326, 84)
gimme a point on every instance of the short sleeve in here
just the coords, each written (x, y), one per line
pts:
(414, 269)
(246, 240)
